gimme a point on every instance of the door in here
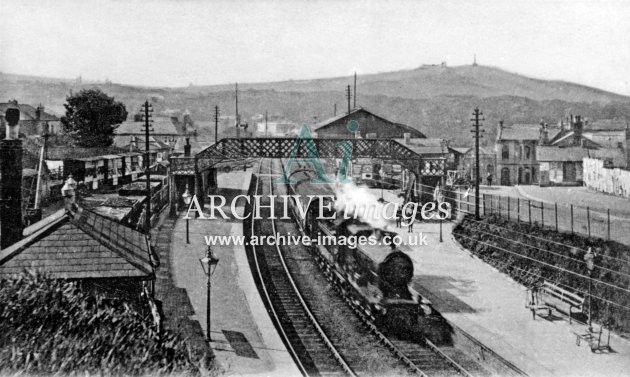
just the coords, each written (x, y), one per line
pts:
(505, 177)
(568, 172)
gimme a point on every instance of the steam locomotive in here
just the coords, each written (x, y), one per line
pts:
(375, 277)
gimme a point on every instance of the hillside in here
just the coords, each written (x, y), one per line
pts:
(436, 100)
(430, 81)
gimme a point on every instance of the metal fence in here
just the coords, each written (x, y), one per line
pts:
(593, 223)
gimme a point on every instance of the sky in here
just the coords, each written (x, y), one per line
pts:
(174, 43)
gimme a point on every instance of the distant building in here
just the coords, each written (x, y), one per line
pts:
(487, 164)
(371, 126)
(561, 157)
(170, 131)
(515, 151)
(34, 121)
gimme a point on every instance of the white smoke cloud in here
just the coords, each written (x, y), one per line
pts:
(360, 203)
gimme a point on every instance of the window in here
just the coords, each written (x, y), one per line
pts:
(505, 152)
(528, 152)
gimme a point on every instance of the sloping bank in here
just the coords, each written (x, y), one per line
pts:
(530, 254)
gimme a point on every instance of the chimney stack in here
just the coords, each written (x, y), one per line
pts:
(11, 183)
(407, 137)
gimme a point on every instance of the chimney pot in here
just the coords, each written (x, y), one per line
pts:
(407, 137)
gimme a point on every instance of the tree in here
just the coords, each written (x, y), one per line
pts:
(91, 116)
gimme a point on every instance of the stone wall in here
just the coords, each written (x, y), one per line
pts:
(612, 181)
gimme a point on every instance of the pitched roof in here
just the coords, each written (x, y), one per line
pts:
(80, 245)
(71, 152)
(520, 131)
(161, 126)
(28, 112)
(426, 145)
(607, 124)
(328, 122)
(558, 154)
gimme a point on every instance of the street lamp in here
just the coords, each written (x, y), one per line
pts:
(209, 265)
(187, 199)
(439, 198)
(590, 265)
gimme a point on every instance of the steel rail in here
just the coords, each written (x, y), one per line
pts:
(310, 315)
(284, 335)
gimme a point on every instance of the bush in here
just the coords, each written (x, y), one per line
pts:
(50, 326)
(516, 249)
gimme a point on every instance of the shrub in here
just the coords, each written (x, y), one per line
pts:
(50, 326)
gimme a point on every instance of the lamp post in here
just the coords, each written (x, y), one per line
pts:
(187, 199)
(439, 198)
(209, 265)
(590, 265)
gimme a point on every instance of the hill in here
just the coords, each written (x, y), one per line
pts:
(430, 81)
(436, 100)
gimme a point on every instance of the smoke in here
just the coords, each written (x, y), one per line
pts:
(360, 203)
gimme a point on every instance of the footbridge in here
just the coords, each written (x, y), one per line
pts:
(198, 171)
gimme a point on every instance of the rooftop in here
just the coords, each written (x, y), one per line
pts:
(329, 121)
(160, 126)
(28, 112)
(80, 245)
(525, 131)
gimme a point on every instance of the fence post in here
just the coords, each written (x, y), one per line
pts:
(542, 213)
(588, 221)
(529, 211)
(508, 209)
(499, 205)
(556, 208)
(571, 218)
(608, 214)
(518, 210)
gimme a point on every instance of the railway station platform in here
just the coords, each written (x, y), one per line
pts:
(244, 340)
(490, 306)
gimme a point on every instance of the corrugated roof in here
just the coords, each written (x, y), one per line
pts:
(160, 126)
(80, 245)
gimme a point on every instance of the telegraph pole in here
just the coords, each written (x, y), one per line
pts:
(216, 124)
(148, 109)
(355, 90)
(265, 123)
(349, 96)
(477, 135)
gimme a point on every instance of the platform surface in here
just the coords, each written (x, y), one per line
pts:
(490, 306)
(244, 340)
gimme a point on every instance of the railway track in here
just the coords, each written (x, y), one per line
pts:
(306, 339)
(310, 347)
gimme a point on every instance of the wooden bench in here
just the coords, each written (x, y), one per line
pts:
(548, 296)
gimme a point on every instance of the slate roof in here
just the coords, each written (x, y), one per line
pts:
(607, 124)
(557, 154)
(526, 131)
(426, 145)
(28, 112)
(326, 123)
(80, 245)
(161, 126)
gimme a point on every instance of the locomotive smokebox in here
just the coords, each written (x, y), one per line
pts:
(395, 274)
